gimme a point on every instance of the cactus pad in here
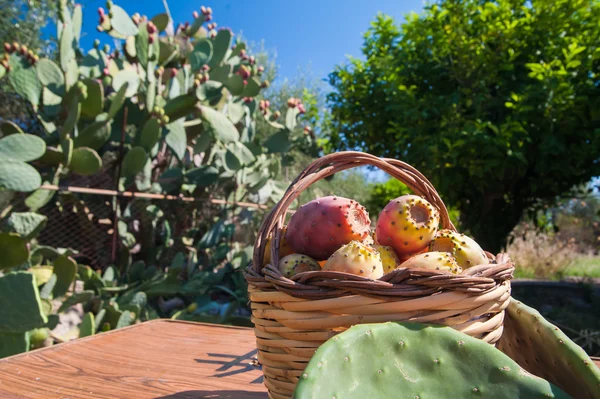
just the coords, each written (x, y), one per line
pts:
(121, 23)
(221, 43)
(219, 125)
(543, 349)
(134, 161)
(22, 147)
(18, 176)
(26, 224)
(26, 313)
(65, 269)
(412, 360)
(85, 161)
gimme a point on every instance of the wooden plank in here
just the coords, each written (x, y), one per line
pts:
(160, 359)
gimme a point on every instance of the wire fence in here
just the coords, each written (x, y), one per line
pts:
(84, 216)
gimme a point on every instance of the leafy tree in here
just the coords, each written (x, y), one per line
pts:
(496, 102)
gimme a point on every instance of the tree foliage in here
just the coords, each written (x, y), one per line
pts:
(495, 102)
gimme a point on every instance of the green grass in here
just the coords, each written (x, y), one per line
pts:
(584, 266)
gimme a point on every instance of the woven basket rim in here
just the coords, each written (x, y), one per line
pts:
(399, 283)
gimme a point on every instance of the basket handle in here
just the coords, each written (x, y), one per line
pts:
(327, 166)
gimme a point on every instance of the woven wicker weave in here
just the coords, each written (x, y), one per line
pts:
(293, 317)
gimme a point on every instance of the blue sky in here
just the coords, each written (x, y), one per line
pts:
(304, 34)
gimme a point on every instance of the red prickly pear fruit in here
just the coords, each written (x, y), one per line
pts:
(301, 108)
(8, 48)
(464, 249)
(203, 10)
(323, 225)
(356, 258)
(101, 12)
(292, 102)
(442, 261)
(389, 259)
(407, 224)
(276, 115)
(297, 263)
(284, 247)
(195, 14)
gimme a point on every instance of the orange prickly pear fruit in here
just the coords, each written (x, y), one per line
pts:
(389, 259)
(297, 263)
(407, 224)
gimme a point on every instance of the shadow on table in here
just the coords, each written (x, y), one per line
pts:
(215, 395)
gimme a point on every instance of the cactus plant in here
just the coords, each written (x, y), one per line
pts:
(26, 224)
(85, 161)
(412, 360)
(26, 313)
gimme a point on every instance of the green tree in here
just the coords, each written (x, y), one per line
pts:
(496, 102)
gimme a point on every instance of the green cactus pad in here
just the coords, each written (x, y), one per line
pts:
(203, 176)
(129, 77)
(26, 224)
(22, 147)
(176, 139)
(79, 297)
(18, 176)
(24, 80)
(67, 150)
(122, 25)
(42, 274)
(134, 161)
(150, 134)
(76, 22)
(412, 360)
(93, 104)
(95, 134)
(161, 21)
(85, 161)
(117, 101)
(221, 43)
(167, 52)
(87, 326)
(39, 198)
(13, 343)
(201, 55)
(74, 111)
(195, 26)
(92, 64)
(7, 128)
(252, 89)
(2, 71)
(66, 48)
(220, 127)
(13, 249)
(235, 85)
(51, 76)
(220, 73)
(65, 269)
(278, 142)
(543, 349)
(180, 106)
(26, 313)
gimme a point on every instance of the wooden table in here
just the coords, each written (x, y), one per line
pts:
(163, 359)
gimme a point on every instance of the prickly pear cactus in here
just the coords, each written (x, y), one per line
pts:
(542, 348)
(412, 360)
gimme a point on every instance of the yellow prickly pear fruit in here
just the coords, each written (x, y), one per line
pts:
(356, 258)
(407, 224)
(297, 263)
(463, 248)
(389, 259)
(442, 261)
(284, 248)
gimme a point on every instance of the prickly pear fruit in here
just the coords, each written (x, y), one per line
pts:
(442, 261)
(284, 248)
(369, 240)
(356, 258)
(297, 263)
(389, 259)
(414, 360)
(323, 225)
(407, 224)
(464, 249)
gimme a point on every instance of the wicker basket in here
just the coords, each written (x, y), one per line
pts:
(293, 317)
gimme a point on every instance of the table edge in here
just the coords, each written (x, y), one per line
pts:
(120, 330)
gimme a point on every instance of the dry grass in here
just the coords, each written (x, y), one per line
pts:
(537, 255)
